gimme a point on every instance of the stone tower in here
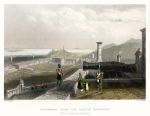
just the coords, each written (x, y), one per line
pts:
(99, 48)
(143, 58)
(118, 58)
(138, 55)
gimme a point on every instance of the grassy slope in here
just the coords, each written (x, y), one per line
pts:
(114, 92)
(43, 74)
(63, 53)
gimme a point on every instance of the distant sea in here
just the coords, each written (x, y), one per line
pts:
(24, 52)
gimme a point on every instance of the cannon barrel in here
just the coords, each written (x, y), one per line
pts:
(87, 66)
(112, 72)
(109, 66)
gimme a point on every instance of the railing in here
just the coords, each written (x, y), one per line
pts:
(25, 89)
(12, 92)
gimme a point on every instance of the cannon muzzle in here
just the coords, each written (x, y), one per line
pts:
(87, 66)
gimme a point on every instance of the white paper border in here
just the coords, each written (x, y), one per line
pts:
(106, 107)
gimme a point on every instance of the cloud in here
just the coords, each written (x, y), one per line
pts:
(81, 26)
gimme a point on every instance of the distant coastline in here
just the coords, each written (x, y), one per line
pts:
(28, 52)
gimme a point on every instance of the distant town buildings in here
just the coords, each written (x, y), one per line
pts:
(57, 60)
(62, 61)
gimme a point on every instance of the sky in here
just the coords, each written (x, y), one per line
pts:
(71, 26)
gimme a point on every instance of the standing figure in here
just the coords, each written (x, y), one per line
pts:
(86, 86)
(59, 72)
(80, 82)
(99, 77)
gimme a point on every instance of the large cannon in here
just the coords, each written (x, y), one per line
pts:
(114, 66)
(113, 72)
(110, 69)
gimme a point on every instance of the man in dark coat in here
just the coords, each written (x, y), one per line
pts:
(59, 73)
(80, 82)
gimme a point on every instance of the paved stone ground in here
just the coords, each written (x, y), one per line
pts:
(68, 87)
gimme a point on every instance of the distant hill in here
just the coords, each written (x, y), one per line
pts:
(108, 46)
(109, 52)
(64, 54)
(127, 51)
(132, 40)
